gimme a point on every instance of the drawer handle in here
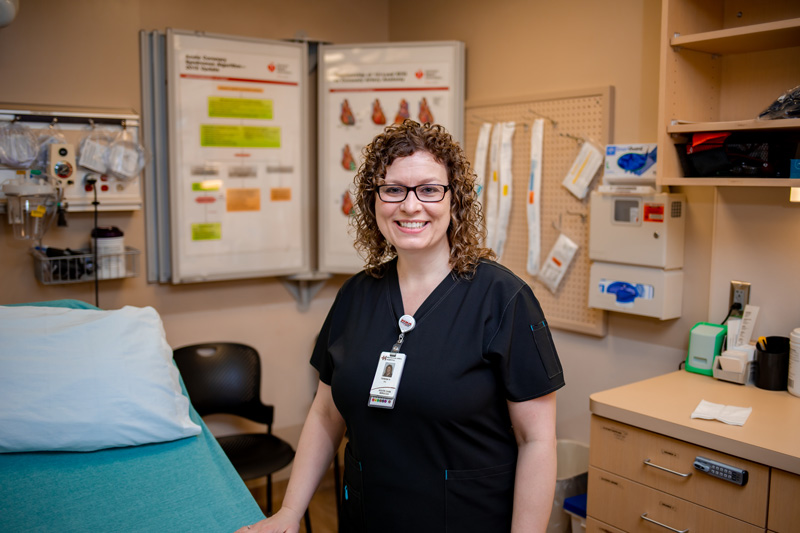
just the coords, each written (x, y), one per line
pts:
(648, 463)
(665, 526)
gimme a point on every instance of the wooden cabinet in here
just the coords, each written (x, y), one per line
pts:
(637, 476)
(784, 511)
(644, 442)
(722, 63)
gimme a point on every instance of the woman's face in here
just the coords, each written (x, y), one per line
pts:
(411, 225)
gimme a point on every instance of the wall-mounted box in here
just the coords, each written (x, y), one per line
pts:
(633, 161)
(637, 229)
(636, 290)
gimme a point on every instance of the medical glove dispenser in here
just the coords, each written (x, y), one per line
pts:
(705, 344)
(636, 290)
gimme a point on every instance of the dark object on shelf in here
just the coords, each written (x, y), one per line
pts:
(57, 266)
(786, 106)
(70, 268)
(740, 154)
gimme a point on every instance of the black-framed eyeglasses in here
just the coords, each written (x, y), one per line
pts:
(427, 192)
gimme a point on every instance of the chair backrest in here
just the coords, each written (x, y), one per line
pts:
(223, 377)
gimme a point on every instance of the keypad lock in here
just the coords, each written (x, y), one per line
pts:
(722, 471)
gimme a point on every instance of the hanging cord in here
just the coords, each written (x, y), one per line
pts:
(736, 306)
(93, 182)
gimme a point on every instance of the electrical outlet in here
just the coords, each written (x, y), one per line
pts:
(740, 293)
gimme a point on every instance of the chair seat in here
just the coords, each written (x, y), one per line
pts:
(255, 455)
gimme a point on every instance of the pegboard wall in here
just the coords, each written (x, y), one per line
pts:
(570, 119)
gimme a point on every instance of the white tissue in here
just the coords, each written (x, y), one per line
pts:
(735, 416)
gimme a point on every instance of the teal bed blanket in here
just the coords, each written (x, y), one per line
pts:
(182, 485)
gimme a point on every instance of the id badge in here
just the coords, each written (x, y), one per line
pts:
(387, 379)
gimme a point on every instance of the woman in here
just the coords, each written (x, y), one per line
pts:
(462, 437)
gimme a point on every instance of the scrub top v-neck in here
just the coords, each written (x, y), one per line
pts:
(443, 459)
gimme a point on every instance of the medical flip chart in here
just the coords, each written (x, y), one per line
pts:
(362, 89)
(238, 171)
(547, 138)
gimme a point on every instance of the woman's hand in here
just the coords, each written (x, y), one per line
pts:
(284, 521)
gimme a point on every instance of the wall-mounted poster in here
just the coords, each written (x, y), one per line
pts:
(238, 157)
(363, 89)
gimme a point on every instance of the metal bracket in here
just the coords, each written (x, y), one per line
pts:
(304, 287)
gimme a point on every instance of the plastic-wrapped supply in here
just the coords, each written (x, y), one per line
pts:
(125, 158)
(786, 106)
(18, 146)
(47, 137)
(93, 148)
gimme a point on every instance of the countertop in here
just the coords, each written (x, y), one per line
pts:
(664, 405)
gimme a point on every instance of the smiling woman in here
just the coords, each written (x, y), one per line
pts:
(474, 370)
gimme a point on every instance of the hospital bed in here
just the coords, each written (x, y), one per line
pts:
(183, 484)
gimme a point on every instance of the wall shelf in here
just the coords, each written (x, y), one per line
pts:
(730, 182)
(734, 125)
(78, 266)
(753, 38)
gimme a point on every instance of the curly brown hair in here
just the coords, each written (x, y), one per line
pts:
(466, 229)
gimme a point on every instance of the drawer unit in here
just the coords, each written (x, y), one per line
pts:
(667, 465)
(596, 526)
(633, 507)
(784, 511)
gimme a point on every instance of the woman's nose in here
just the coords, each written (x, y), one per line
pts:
(411, 203)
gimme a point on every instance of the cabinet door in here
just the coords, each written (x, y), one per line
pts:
(630, 506)
(667, 464)
(784, 512)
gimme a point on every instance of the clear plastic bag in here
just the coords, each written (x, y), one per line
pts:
(786, 106)
(52, 135)
(92, 150)
(18, 145)
(125, 158)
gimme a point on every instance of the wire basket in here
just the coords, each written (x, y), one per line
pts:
(78, 266)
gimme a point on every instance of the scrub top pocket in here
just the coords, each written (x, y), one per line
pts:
(547, 350)
(479, 500)
(352, 496)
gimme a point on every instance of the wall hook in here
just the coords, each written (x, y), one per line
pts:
(552, 122)
(579, 140)
(576, 213)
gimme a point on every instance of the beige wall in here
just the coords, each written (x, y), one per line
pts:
(94, 62)
(514, 47)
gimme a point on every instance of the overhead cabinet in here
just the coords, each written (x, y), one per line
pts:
(722, 64)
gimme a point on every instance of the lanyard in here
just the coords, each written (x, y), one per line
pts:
(406, 324)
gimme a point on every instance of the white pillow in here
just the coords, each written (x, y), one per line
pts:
(83, 380)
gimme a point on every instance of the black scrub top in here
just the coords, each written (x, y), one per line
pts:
(444, 458)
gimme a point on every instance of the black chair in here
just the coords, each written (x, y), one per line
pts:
(225, 378)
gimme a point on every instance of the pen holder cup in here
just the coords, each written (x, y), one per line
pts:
(772, 364)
